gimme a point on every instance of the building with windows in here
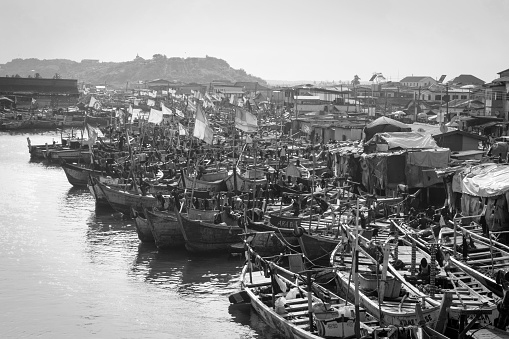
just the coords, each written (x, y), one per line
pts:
(418, 81)
(497, 96)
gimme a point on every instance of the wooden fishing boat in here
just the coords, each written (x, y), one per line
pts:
(307, 310)
(263, 243)
(78, 175)
(37, 152)
(205, 236)
(394, 308)
(484, 257)
(123, 201)
(69, 155)
(214, 175)
(100, 198)
(466, 297)
(318, 247)
(142, 227)
(244, 184)
(203, 185)
(165, 228)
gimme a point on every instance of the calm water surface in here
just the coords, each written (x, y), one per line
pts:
(69, 271)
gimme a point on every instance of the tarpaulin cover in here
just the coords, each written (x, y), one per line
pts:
(384, 124)
(435, 158)
(486, 180)
(406, 140)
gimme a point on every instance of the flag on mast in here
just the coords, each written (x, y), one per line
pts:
(166, 110)
(201, 127)
(155, 116)
(92, 102)
(182, 130)
(245, 121)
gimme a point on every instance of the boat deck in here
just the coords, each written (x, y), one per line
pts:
(488, 333)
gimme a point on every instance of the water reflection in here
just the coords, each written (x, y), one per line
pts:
(185, 273)
(255, 327)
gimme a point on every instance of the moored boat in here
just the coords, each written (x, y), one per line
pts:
(143, 228)
(122, 201)
(289, 303)
(78, 175)
(206, 236)
(165, 228)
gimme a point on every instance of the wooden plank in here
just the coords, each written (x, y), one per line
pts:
(470, 262)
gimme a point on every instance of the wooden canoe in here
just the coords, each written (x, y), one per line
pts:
(202, 236)
(165, 228)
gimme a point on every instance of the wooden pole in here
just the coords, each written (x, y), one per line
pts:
(355, 271)
(414, 257)
(383, 284)
(310, 301)
(433, 251)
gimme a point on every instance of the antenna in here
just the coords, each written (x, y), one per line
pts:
(442, 78)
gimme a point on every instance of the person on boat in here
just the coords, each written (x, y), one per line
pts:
(282, 156)
(121, 142)
(424, 270)
(296, 206)
(144, 187)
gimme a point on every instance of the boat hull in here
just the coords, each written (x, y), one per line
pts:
(77, 175)
(317, 247)
(391, 314)
(143, 228)
(165, 229)
(71, 155)
(244, 184)
(122, 201)
(201, 236)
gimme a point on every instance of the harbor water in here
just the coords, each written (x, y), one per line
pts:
(71, 271)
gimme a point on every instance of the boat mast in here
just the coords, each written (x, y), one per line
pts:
(357, 326)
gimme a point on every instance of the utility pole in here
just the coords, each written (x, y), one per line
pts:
(415, 108)
(418, 102)
(447, 100)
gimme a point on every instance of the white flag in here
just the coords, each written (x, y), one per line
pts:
(245, 121)
(182, 130)
(151, 102)
(155, 116)
(201, 127)
(92, 102)
(166, 110)
(136, 113)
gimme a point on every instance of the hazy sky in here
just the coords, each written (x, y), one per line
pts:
(272, 39)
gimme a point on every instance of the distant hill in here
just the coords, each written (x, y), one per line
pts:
(187, 70)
